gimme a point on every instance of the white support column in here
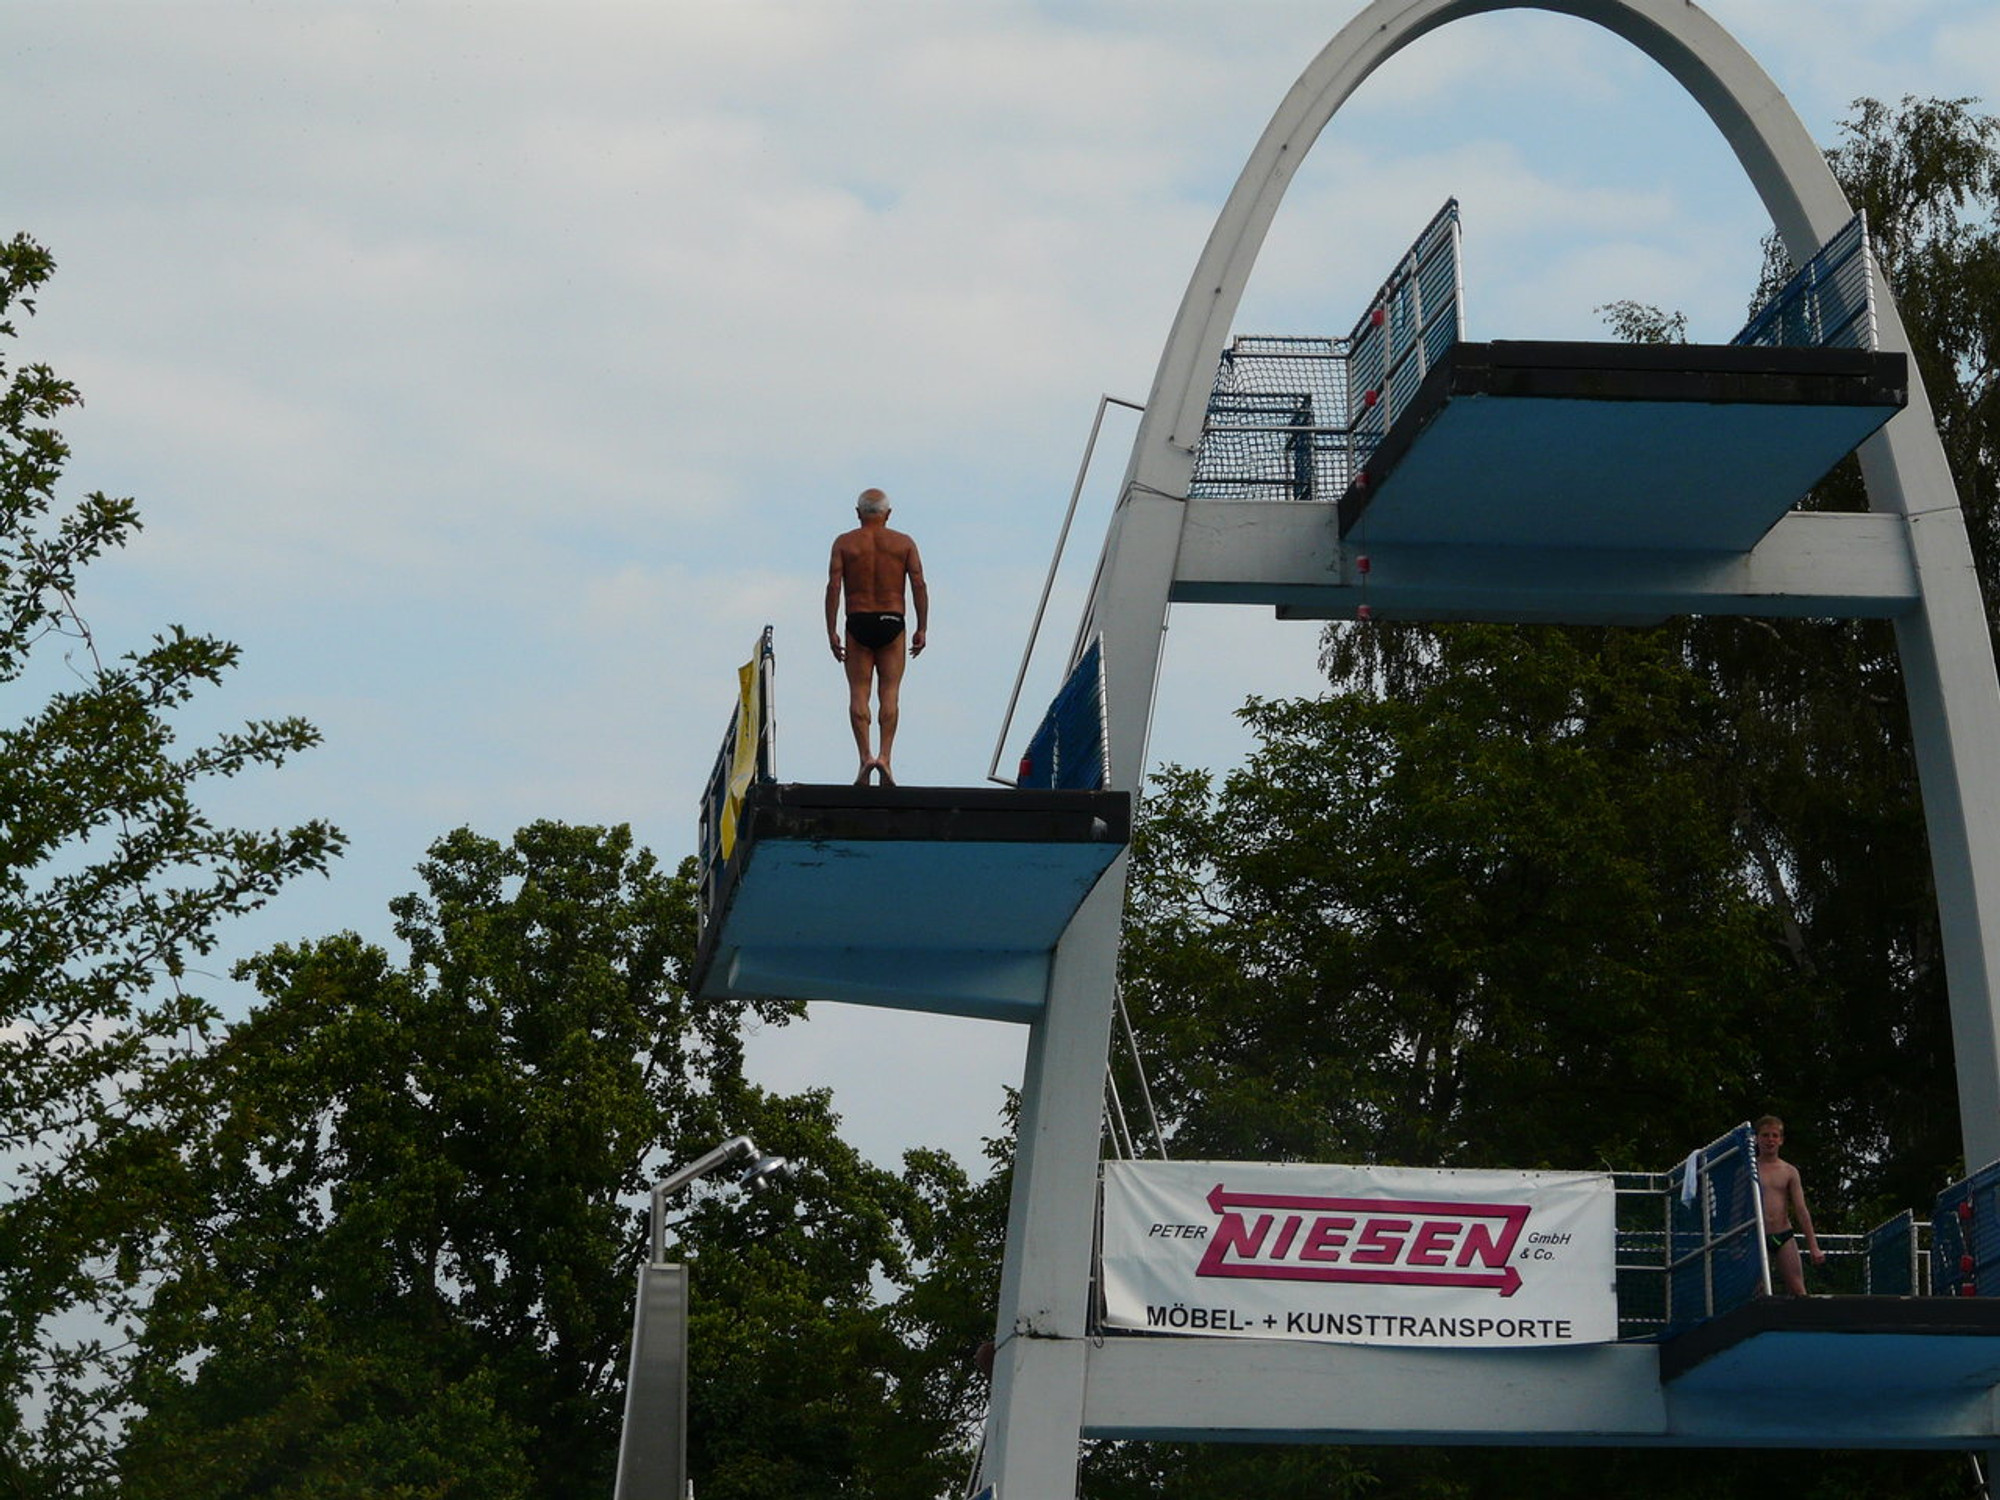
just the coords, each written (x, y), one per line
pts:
(1051, 1224)
(1954, 704)
(1955, 727)
(1038, 1369)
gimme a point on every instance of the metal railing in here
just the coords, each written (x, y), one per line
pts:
(1895, 1257)
(749, 753)
(1681, 1261)
(1417, 315)
(1277, 424)
(1691, 1250)
(1294, 418)
(1049, 583)
(1828, 304)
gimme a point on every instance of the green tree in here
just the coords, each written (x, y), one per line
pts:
(1425, 927)
(1825, 785)
(409, 1205)
(111, 880)
(832, 1332)
(415, 1198)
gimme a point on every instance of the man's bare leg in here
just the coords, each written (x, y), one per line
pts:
(889, 664)
(860, 664)
(1790, 1269)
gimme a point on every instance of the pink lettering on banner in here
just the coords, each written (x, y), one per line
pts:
(1386, 1241)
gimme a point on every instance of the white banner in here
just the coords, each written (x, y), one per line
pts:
(1364, 1255)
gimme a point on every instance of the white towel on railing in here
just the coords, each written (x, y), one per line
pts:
(1690, 1175)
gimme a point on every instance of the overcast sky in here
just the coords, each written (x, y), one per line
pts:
(493, 373)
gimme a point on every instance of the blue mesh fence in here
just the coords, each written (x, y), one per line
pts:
(1828, 304)
(1294, 418)
(1068, 751)
(1715, 1237)
(1890, 1259)
(1416, 316)
(1685, 1256)
(1965, 1237)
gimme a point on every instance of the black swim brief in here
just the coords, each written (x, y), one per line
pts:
(1782, 1238)
(874, 630)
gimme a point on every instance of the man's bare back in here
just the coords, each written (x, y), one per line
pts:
(872, 569)
(874, 564)
(1785, 1213)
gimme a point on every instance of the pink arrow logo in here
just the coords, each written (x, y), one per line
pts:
(1386, 1241)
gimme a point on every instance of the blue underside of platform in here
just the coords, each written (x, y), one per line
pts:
(1820, 1372)
(1852, 1372)
(1499, 471)
(964, 929)
(1865, 1369)
(1691, 448)
(943, 900)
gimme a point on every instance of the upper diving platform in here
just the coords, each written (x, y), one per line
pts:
(1591, 482)
(941, 899)
(1680, 447)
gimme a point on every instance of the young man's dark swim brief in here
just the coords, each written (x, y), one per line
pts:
(874, 630)
(1781, 1238)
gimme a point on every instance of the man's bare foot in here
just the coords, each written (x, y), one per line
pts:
(866, 767)
(887, 779)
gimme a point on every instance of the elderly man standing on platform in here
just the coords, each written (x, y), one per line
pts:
(873, 566)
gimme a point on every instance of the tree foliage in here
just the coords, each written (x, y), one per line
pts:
(112, 880)
(1422, 927)
(833, 1331)
(407, 1207)
(416, 1193)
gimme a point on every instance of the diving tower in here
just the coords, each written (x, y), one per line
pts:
(1457, 505)
(1435, 478)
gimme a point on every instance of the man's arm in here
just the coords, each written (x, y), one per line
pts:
(921, 597)
(834, 574)
(1804, 1219)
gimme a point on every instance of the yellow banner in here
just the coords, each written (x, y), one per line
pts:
(743, 759)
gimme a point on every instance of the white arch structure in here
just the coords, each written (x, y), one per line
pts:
(1908, 558)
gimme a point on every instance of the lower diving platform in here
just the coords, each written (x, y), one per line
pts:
(1300, 1303)
(1847, 1372)
(1859, 1351)
(941, 899)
